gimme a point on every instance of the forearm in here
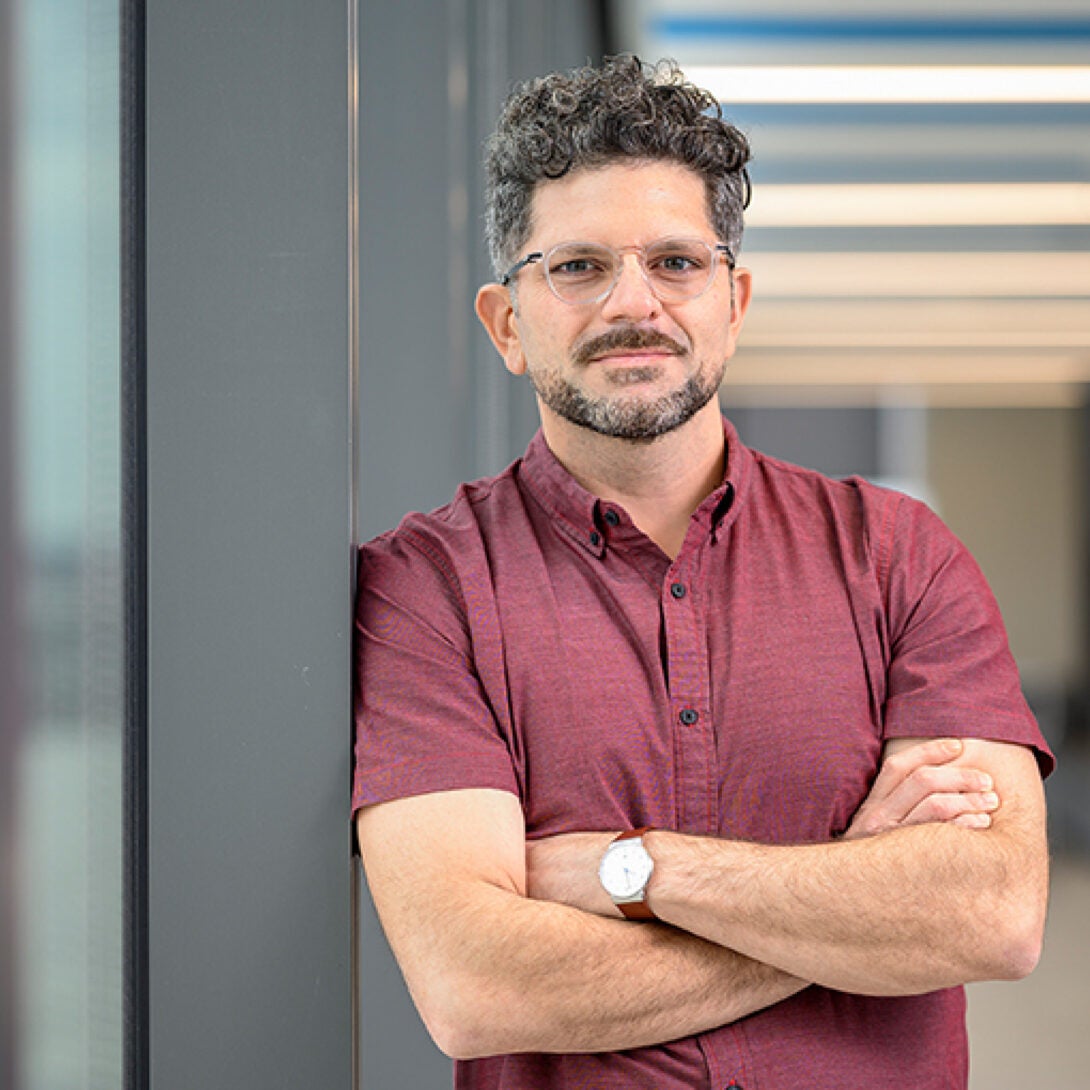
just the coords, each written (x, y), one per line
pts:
(934, 884)
(909, 911)
(516, 975)
(494, 970)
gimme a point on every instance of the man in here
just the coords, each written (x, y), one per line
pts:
(790, 698)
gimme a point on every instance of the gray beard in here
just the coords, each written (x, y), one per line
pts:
(621, 418)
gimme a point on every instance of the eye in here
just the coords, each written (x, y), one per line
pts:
(580, 264)
(678, 261)
(576, 266)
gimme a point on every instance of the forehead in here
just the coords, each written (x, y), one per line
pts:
(620, 204)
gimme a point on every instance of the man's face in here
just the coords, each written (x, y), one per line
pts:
(630, 365)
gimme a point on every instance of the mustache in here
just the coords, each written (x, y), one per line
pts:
(628, 337)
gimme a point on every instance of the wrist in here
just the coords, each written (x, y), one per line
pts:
(656, 841)
(683, 865)
(624, 872)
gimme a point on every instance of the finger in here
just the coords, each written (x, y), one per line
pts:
(907, 777)
(900, 765)
(935, 783)
(949, 807)
(928, 795)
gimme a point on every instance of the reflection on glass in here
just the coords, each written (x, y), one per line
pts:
(67, 412)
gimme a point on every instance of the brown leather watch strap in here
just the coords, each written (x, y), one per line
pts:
(635, 910)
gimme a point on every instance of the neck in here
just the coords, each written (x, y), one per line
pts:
(659, 482)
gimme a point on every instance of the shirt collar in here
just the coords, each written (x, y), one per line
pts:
(590, 521)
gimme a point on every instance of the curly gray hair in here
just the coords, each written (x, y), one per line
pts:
(591, 117)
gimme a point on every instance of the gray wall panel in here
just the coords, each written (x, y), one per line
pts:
(249, 529)
(436, 405)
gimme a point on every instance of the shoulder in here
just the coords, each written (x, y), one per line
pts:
(896, 537)
(448, 537)
(855, 504)
(448, 550)
(811, 486)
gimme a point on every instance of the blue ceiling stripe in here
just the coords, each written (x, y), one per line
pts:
(833, 28)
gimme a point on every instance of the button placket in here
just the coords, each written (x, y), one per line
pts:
(687, 669)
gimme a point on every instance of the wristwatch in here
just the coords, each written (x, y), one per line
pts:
(625, 871)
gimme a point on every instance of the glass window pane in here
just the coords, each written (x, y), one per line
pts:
(68, 509)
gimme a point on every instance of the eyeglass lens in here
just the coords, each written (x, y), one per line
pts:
(676, 269)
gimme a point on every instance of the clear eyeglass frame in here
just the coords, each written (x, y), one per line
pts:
(583, 273)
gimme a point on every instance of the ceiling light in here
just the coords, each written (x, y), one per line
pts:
(919, 204)
(736, 84)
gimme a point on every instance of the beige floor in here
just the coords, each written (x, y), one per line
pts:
(1036, 1032)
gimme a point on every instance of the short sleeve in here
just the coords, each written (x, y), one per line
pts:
(951, 671)
(423, 721)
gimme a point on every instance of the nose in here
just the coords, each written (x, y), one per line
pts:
(632, 297)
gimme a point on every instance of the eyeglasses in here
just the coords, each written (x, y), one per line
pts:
(676, 269)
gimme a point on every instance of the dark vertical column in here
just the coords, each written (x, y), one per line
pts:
(1069, 821)
(134, 513)
(1078, 719)
(248, 545)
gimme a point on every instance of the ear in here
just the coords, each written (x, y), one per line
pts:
(743, 292)
(497, 315)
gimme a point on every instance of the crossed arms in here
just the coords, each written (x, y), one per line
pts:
(508, 947)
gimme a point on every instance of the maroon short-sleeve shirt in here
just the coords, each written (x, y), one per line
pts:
(528, 637)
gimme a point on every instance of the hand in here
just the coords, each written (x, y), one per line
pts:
(564, 869)
(922, 783)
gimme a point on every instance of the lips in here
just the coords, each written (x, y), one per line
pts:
(637, 356)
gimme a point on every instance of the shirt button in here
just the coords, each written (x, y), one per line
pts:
(612, 518)
(677, 590)
(595, 538)
(689, 716)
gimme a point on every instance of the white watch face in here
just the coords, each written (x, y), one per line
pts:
(625, 870)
